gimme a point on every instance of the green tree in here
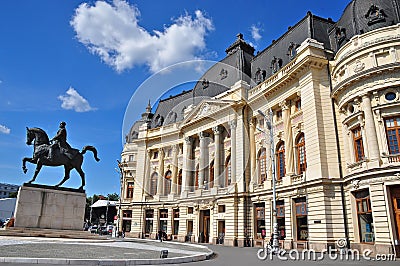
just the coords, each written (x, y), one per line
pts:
(113, 197)
(13, 194)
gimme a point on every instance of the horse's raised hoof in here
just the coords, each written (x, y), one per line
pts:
(24, 169)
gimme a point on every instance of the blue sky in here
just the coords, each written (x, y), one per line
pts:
(81, 62)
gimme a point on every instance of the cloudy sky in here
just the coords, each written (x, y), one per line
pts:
(81, 62)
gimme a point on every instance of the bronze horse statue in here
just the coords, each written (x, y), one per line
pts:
(41, 149)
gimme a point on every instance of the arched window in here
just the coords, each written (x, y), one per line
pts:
(167, 180)
(262, 165)
(211, 184)
(301, 154)
(153, 184)
(179, 181)
(280, 160)
(228, 171)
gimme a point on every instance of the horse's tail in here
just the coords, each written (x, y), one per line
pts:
(92, 149)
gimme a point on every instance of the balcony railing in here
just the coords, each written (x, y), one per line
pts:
(392, 158)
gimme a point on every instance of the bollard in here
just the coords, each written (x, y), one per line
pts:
(164, 254)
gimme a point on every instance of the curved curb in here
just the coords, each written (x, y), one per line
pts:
(109, 262)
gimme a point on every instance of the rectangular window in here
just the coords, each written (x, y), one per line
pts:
(392, 125)
(364, 215)
(278, 115)
(149, 214)
(301, 219)
(148, 228)
(189, 230)
(163, 213)
(127, 214)
(221, 208)
(155, 155)
(176, 222)
(358, 144)
(131, 158)
(129, 190)
(190, 210)
(259, 214)
(280, 214)
(298, 105)
(261, 122)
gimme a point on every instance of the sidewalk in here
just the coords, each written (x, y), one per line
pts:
(37, 250)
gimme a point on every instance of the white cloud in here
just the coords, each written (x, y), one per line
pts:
(72, 100)
(111, 31)
(4, 130)
(255, 33)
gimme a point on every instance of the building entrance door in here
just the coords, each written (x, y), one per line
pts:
(204, 235)
(395, 193)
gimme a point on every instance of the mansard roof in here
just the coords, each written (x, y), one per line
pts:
(361, 16)
(216, 80)
(279, 53)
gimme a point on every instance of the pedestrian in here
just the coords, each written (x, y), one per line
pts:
(160, 235)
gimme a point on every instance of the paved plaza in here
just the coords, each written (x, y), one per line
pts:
(56, 251)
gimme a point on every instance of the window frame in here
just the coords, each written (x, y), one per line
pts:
(358, 144)
(130, 186)
(301, 150)
(359, 200)
(262, 165)
(280, 160)
(393, 150)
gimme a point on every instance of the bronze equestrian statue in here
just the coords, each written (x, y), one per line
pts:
(56, 154)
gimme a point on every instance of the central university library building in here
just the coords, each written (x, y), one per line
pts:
(199, 167)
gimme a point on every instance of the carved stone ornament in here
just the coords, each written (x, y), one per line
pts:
(359, 66)
(355, 183)
(223, 74)
(397, 175)
(204, 110)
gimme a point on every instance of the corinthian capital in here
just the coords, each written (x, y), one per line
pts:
(216, 130)
(188, 140)
(284, 105)
(232, 124)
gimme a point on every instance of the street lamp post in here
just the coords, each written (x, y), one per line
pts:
(269, 123)
(120, 195)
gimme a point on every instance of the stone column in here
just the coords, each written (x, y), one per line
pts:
(217, 157)
(370, 131)
(174, 184)
(187, 164)
(203, 158)
(289, 156)
(160, 184)
(233, 125)
(146, 181)
(253, 162)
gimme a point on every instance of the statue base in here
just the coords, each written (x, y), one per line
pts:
(48, 207)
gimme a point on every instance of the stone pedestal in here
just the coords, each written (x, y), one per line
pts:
(40, 206)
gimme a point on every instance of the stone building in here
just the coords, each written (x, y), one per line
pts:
(200, 167)
(6, 189)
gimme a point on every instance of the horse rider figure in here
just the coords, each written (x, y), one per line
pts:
(60, 140)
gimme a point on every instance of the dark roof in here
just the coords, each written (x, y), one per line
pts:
(240, 63)
(216, 80)
(361, 16)
(311, 26)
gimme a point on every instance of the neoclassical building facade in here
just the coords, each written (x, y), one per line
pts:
(200, 167)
